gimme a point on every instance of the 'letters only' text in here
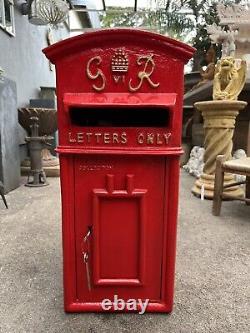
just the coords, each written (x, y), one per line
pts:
(113, 138)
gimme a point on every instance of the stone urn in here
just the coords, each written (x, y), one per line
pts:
(47, 127)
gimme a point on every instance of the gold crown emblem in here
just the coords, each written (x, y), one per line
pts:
(119, 61)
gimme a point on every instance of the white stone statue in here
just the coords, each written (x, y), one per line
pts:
(195, 163)
(224, 37)
(237, 18)
(231, 15)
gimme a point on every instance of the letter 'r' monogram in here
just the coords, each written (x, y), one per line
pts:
(146, 73)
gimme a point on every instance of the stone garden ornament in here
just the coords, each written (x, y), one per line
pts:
(42, 12)
(207, 74)
(195, 163)
(229, 79)
(53, 11)
(224, 37)
(219, 123)
(233, 32)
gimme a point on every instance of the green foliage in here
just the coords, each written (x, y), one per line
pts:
(185, 20)
(170, 23)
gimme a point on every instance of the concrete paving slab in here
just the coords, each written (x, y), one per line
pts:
(212, 274)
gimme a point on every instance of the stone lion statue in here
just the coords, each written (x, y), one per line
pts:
(229, 79)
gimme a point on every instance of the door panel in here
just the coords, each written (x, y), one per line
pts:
(121, 200)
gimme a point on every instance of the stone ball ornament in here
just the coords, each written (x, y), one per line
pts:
(53, 11)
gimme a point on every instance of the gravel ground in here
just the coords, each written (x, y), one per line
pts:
(212, 291)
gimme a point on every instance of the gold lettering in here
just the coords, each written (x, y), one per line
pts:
(98, 135)
(145, 73)
(89, 137)
(79, 137)
(150, 138)
(140, 138)
(167, 137)
(94, 167)
(115, 138)
(71, 139)
(98, 74)
(116, 78)
(124, 137)
(158, 141)
(106, 137)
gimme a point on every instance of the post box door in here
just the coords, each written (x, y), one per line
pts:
(120, 199)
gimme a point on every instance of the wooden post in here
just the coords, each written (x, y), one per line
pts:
(218, 184)
(248, 178)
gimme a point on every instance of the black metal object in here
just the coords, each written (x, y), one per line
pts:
(135, 6)
(2, 194)
(36, 143)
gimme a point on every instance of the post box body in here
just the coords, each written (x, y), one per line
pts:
(119, 97)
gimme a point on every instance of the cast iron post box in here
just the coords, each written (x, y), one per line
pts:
(119, 97)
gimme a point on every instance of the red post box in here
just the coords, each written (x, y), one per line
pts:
(119, 97)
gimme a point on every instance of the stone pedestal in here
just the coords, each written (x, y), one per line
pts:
(219, 122)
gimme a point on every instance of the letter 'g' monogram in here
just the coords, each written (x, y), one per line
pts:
(146, 73)
(98, 73)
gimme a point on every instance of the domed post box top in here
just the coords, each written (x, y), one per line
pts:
(121, 67)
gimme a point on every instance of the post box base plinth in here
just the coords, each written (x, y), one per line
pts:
(208, 182)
